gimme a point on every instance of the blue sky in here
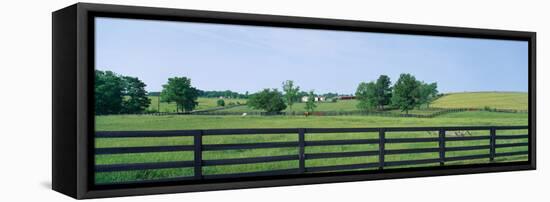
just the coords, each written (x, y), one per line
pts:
(251, 58)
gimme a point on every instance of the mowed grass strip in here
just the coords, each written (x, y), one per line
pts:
(142, 141)
(107, 159)
(493, 100)
(139, 175)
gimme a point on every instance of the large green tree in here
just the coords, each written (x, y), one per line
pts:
(374, 94)
(291, 93)
(310, 104)
(406, 93)
(383, 91)
(428, 93)
(136, 100)
(366, 95)
(109, 92)
(180, 91)
(267, 100)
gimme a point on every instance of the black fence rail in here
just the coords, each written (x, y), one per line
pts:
(441, 138)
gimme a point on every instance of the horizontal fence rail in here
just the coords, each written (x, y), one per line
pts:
(380, 143)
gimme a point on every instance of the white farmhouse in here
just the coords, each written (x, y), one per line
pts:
(316, 99)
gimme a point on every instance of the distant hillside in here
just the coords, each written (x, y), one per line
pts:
(498, 100)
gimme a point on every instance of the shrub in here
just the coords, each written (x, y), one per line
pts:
(268, 100)
(220, 103)
(489, 109)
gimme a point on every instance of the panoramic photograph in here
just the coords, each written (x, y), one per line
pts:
(178, 101)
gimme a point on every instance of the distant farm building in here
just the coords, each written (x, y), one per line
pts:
(346, 98)
(316, 99)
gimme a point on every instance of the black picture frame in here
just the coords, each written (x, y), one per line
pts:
(73, 110)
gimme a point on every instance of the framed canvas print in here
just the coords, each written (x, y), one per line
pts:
(154, 100)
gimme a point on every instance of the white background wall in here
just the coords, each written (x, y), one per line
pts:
(25, 100)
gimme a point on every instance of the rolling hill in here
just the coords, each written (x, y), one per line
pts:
(498, 100)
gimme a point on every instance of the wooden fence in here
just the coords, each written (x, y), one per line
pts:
(198, 147)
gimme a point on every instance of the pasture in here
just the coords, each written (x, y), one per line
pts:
(500, 100)
(493, 100)
(188, 122)
(341, 105)
(204, 103)
(137, 122)
(477, 100)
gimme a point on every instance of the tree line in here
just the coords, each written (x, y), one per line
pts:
(406, 94)
(119, 94)
(272, 100)
(214, 94)
(115, 94)
(224, 94)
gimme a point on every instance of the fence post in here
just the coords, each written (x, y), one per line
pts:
(302, 144)
(381, 147)
(492, 143)
(441, 147)
(198, 155)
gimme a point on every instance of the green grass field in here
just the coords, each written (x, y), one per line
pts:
(478, 100)
(493, 100)
(341, 105)
(179, 122)
(185, 122)
(204, 103)
(136, 122)
(498, 100)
